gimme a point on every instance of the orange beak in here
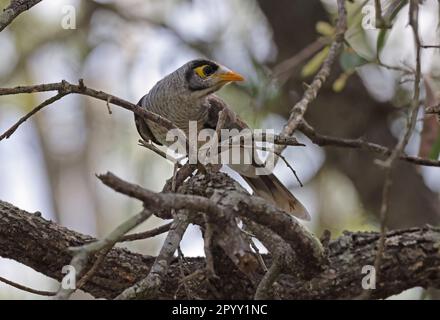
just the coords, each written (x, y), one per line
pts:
(230, 76)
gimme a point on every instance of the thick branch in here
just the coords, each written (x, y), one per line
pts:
(218, 195)
(83, 253)
(412, 258)
(233, 197)
(15, 8)
(44, 246)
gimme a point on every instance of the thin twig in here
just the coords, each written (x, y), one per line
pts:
(311, 92)
(254, 247)
(147, 234)
(262, 148)
(27, 289)
(147, 288)
(23, 119)
(82, 254)
(65, 88)
(397, 151)
(150, 145)
(329, 141)
(290, 167)
(383, 218)
(388, 164)
(100, 256)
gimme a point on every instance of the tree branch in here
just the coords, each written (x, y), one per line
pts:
(329, 141)
(389, 163)
(15, 8)
(148, 287)
(146, 234)
(66, 88)
(83, 253)
(411, 258)
(300, 108)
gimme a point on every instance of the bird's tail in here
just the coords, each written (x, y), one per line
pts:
(270, 188)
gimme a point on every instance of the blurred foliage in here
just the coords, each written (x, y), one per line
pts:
(315, 63)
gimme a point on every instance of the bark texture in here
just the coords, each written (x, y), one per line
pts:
(412, 258)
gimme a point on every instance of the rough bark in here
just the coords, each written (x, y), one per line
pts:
(412, 258)
(15, 8)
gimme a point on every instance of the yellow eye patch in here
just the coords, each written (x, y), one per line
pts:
(200, 72)
(205, 71)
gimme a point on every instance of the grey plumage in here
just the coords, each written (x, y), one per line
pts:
(187, 94)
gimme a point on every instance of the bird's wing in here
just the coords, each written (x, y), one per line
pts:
(142, 126)
(232, 121)
(268, 187)
(215, 105)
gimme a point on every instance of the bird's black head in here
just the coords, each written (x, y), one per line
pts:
(205, 76)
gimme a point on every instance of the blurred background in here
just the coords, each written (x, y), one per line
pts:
(125, 47)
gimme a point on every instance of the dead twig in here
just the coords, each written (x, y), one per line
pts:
(147, 234)
(148, 287)
(300, 108)
(83, 253)
(23, 119)
(388, 164)
(329, 141)
(27, 289)
(65, 88)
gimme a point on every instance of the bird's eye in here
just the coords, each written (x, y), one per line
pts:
(205, 70)
(208, 70)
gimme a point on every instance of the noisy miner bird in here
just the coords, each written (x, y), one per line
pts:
(187, 94)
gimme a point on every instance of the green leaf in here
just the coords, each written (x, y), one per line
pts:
(313, 65)
(349, 60)
(435, 150)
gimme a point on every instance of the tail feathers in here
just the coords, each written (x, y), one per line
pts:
(270, 188)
